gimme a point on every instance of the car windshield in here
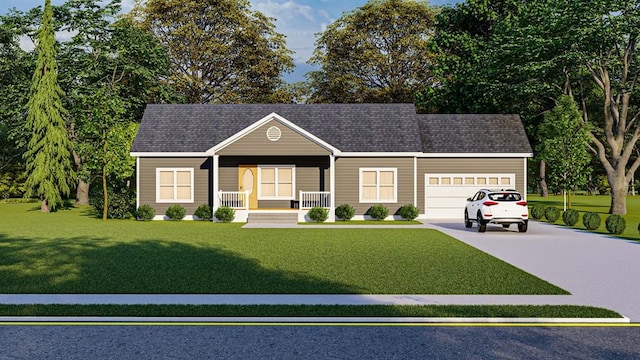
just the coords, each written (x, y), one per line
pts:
(505, 196)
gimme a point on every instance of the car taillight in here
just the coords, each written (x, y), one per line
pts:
(521, 203)
(490, 203)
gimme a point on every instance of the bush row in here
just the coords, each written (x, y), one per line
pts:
(615, 224)
(177, 213)
(378, 212)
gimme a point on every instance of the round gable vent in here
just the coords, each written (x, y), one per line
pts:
(274, 133)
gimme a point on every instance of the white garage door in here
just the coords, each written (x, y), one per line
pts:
(446, 194)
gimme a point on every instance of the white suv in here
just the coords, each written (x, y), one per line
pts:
(504, 207)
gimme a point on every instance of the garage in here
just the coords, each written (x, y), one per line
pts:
(446, 194)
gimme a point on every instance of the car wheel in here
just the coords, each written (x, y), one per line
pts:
(482, 226)
(467, 222)
(522, 227)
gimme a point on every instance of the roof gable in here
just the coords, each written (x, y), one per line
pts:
(291, 139)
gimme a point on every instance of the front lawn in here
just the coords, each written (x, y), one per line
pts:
(595, 203)
(73, 252)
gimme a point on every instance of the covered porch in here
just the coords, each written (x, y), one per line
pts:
(273, 184)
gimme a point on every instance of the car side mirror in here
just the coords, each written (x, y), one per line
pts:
(469, 199)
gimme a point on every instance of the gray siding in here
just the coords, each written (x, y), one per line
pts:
(469, 166)
(147, 187)
(257, 142)
(348, 181)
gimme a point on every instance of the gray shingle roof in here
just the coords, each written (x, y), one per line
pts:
(196, 128)
(347, 127)
(473, 133)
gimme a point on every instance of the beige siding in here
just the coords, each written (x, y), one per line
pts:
(469, 166)
(201, 173)
(348, 181)
(257, 143)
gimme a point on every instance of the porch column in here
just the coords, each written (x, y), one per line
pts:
(332, 187)
(216, 198)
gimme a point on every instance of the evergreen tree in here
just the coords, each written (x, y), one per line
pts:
(48, 156)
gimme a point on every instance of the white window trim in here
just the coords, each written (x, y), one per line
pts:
(378, 200)
(174, 200)
(293, 182)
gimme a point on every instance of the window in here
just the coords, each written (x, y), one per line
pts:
(276, 182)
(174, 185)
(378, 185)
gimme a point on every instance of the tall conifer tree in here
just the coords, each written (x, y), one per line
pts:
(48, 156)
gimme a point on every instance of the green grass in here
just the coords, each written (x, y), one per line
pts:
(365, 222)
(71, 251)
(507, 311)
(599, 204)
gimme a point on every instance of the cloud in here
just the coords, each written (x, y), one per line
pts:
(287, 10)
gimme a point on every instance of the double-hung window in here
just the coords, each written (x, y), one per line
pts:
(378, 185)
(174, 185)
(276, 182)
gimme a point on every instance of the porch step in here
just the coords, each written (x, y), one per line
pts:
(273, 218)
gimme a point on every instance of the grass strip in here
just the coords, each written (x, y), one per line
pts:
(506, 311)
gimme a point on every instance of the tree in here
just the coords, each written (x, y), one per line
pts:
(220, 50)
(590, 49)
(48, 156)
(376, 53)
(564, 144)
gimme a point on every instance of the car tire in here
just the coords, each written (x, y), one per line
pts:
(522, 227)
(467, 222)
(482, 226)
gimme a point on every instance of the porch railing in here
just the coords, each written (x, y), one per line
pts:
(310, 199)
(234, 199)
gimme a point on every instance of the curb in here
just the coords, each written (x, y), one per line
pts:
(302, 321)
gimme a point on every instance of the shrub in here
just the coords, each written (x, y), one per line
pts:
(318, 214)
(345, 212)
(615, 224)
(551, 214)
(122, 201)
(225, 214)
(591, 220)
(408, 212)
(570, 217)
(203, 212)
(145, 213)
(378, 212)
(537, 211)
(175, 212)
(639, 227)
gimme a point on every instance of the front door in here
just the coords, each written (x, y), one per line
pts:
(248, 181)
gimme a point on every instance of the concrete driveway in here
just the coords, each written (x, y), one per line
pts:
(597, 270)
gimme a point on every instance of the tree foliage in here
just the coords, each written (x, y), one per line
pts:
(48, 156)
(376, 53)
(564, 145)
(220, 50)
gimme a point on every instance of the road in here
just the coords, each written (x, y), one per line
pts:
(317, 342)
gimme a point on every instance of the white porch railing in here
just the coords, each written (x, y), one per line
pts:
(234, 199)
(310, 199)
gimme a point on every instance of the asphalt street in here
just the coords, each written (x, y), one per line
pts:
(317, 342)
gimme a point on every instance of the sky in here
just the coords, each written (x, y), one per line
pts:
(298, 20)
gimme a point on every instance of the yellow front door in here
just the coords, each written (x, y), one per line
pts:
(248, 181)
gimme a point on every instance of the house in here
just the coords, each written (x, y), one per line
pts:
(291, 157)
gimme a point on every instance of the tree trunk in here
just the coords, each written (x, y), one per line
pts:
(44, 207)
(619, 190)
(82, 193)
(544, 191)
